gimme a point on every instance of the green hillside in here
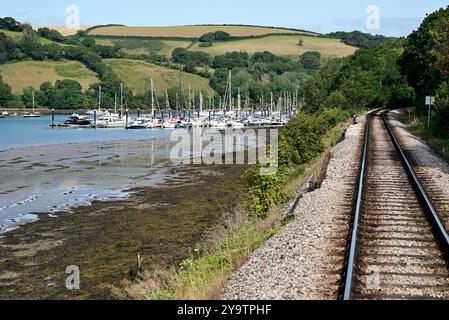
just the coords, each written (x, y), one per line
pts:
(136, 75)
(20, 75)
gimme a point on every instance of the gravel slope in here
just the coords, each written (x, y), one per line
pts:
(304, 260)
(431, 169)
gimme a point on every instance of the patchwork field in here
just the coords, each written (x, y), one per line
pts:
(20, 75)
(281, 45)
(136, 46)
(137, 74)
(187, 31)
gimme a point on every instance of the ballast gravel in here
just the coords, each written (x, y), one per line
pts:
(304, 260)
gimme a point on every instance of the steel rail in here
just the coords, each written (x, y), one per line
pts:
(355, 229)
(438, 227)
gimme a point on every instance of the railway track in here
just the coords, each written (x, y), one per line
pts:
(398, 247)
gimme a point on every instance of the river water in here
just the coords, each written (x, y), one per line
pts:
(20, 132)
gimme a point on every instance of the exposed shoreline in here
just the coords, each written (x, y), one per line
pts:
(103, 239)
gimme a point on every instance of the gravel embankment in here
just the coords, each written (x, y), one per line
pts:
(431, 169)
(304, 260)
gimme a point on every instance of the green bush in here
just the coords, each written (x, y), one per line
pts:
(263, 191)
(442, 105)
(300, 142)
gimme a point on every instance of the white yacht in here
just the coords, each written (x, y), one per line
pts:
(111, 121)
(32, 114)
(142, 123)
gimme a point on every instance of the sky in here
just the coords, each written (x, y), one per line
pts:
(387, 17)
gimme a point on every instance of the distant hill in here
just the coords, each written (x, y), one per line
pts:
(136, 75)
(20, 75)
(189, 31)
(251, 39)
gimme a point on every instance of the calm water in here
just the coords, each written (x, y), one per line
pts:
(20, 132)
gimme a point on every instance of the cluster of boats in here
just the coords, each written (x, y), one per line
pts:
(229, 114)
(205, 120)
(31, 114)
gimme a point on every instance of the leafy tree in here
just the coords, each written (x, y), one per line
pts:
(5, 93)
(88, 42)
(67, 95)
(442, 105)
(207, 37)
(222, 36)
(10, 24)
(51, 34)
(217, 35)
(231, 60)
(310, 60)
(424, 61)
(27, 97)
(360, 39)
(46, 94)
(180, 55)
(190, 68)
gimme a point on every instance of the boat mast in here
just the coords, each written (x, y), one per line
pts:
(99, 99)
(239, 101)
(230, 90)
(167, 102)
(33, 100)
(121, 98)
(152, 96)
(115, 103)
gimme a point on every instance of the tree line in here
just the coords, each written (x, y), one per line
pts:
(425, 63)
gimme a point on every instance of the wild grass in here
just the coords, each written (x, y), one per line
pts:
(281, 45)
(20, 75)
(434, 136)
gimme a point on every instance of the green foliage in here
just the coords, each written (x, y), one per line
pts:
(360, 40)
(5, 93)
(258, 75)
(51, 34)
(310, 60)
(300, 142)
(189, 67)
(217, 35)
(183, 56)
(369, 78)
(442, 105)
(11, 24)
(425, 59)
(263, 191)
(231, 60)
(207, 37)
